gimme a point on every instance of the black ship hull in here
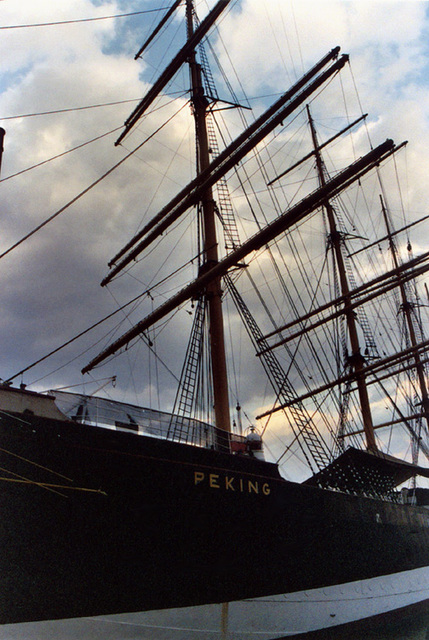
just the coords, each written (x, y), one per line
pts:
(97, 522)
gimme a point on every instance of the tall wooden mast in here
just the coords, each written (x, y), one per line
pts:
(356, 359)
(2, 135)
(407, 310)
(213, 292)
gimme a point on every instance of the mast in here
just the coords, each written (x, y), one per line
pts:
(407, 308)
(2, 135)
(356, 360)
(213, 291)
(226, 160)
(168, 73)
(158, 28)
(281, 224)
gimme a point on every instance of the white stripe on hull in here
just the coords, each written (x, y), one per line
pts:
(265, 618)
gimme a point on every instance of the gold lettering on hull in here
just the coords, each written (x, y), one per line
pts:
(231, 483)
(214, 481)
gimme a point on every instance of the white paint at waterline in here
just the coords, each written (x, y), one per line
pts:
(265, 618)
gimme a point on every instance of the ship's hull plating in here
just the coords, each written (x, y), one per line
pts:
(109, 523)
(369, 602)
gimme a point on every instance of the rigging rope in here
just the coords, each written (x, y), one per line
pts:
(257, 156)
(15, 455)
(49, 486)
(62, 22)
(60, 155)
(87, 189)
(70, 109)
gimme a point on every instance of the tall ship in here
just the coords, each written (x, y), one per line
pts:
(305, 506)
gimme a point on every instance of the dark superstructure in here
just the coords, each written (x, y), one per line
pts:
(97, 521)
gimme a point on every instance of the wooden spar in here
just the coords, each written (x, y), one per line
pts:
(320, 147)
(217, 169)
(411, 264)
(397, 358)
(227, 159)
(383, 425)
(405, 421)
(415, 436)
(264, 236)
(213, 292)
(374, 294)
(356, 360)
(173, 67)
(2, 135)
(393, 234)
(247, 133)
(158, 28)
(390, 373)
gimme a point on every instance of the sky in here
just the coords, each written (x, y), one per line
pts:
(49, 284)
(50, 75)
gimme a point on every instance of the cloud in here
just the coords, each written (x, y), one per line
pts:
(50, 284)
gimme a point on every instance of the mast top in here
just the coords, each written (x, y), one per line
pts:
(168, 73)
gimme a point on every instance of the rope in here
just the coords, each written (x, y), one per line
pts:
(48, 486)
(87, 189)
(54, 24)
(24, 480)
(35, 464)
